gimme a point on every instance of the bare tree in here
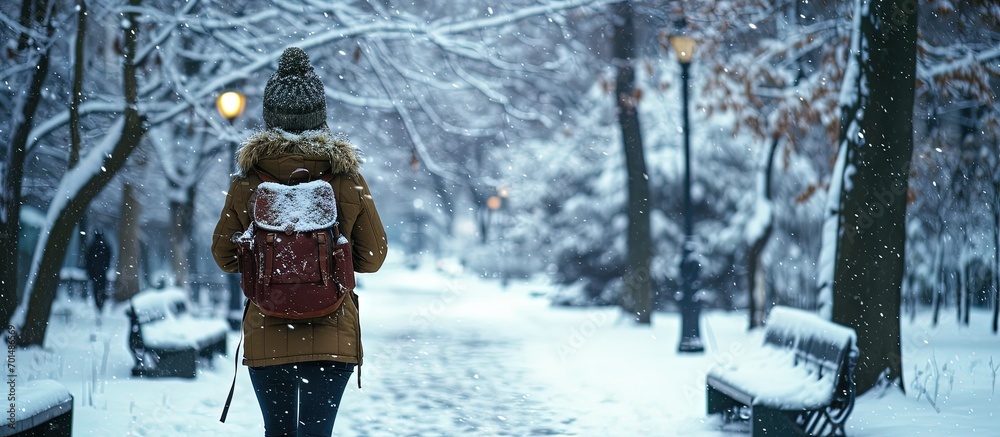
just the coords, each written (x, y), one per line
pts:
(77, 188)
(637, 296)
(461, 51)
(778, 88)
(760, 237)
(876, 148)
(36, 25)
(994, 164)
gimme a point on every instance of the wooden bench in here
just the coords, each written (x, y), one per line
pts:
(166, 340)
(799, 382)
(76, 281)
(41, 408)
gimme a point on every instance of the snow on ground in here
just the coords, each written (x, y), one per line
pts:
(456, 355)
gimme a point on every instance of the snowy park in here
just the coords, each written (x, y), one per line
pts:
(535, 217)
(454, 354)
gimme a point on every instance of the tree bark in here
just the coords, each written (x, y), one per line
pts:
(966, 292)
(13, 169)
(181, 233)
(757, 289)
(75, 99)
(996, 255)
(127, 282)
(636, 294)
(28, 15)
(877, 127)
(42, 286)
(938, 284)
(79, 48)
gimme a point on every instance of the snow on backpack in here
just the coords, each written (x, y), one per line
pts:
(293, 259)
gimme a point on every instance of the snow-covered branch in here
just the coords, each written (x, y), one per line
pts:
(46, 127)
(404, 114)
(445, 26)
(17, 27)
(928, 73)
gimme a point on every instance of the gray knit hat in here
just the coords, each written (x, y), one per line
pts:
(293, 98)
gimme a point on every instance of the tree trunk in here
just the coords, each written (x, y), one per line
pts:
(996, 256)
(966, 292)
(181, 233)
(79, 48)
(13, 169)
(757, 289)
(53, 244)
(636, 296)
(959, 281)
(956, 284)
(127, 282)
(29, 14)
(446, 207)
(938, 284)
(877, 127)
(75, 99)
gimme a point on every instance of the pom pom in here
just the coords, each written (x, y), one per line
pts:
(294, 62)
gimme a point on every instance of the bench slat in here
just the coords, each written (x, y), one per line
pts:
(768, 377)
(785, 322)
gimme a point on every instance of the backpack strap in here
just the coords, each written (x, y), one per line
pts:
(236, 367)
(265, 176)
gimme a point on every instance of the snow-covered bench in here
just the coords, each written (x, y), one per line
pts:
(167, 341)
(799, 382)
(40, 408)
(75, 280)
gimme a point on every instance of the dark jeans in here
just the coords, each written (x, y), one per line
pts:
(300, 399)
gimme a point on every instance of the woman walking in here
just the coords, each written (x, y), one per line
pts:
(300, 367)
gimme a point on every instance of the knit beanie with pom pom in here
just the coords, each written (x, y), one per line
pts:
(293, 97)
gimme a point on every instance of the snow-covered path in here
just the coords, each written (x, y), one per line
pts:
(456, 355)
(438, 362)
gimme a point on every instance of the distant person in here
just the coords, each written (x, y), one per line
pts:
(98, 260)
(300, 367)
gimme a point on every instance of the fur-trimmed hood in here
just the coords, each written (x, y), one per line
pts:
(343, 156)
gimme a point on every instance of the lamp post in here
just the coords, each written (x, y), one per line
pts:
(496, 203)
(230, 105)
(690, 310)
(493, 203)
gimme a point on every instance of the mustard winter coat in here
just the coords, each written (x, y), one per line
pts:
(337, 336)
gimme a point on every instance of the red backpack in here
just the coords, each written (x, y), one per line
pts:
(294, 262)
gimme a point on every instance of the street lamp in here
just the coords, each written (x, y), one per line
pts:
(496, 204)
(230, 105)
(690, 310)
